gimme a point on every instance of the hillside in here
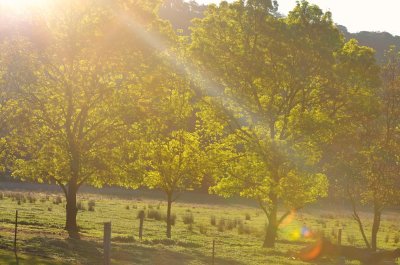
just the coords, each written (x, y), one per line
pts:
(180, 14)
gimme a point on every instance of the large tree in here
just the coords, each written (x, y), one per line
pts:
(367, 154)
(85, 64)
(269, 114)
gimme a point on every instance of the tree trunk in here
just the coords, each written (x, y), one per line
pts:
(272, 228)
(375, 227)
(169, 223)
(71, 210)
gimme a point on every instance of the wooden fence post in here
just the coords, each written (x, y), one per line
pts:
(107, 243)
(340, 237)
(141, 220)
(15, 231)
(213, 252)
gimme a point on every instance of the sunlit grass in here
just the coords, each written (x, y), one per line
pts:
(237, 229)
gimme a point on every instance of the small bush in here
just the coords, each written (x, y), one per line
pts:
(80, 206)
(247, 217)
(397, 239)
(188, 219)
(92, 203)
(243, 229)
(230, 224)
(57, 200)
(154, 214)
(203, 229)
(127, 207)
(213, 220)
(31, 198)
(42, 200)
(172, 217)
(1, 196)
(134, 206)
(49, 209)
(387, 238)
(123, 239)
(190, 227)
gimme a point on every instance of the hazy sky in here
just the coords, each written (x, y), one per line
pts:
(356, 15)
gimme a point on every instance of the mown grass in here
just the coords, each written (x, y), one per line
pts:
(237, 229)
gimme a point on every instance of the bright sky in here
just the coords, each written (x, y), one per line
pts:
(356, 15)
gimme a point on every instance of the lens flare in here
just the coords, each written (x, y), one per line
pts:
(312, 252)
(289, 219)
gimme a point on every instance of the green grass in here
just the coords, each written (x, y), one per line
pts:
(41, 232)
(9, 258)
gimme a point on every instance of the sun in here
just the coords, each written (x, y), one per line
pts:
(21, 6)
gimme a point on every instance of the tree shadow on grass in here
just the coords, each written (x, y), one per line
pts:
(160, 255)
(90, 252)
(10, 258)
(86, 252)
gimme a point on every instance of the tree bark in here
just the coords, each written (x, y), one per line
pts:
(272, 228)
(375, 227)
(169, 224)
(71, 210)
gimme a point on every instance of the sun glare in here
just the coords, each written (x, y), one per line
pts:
(22, 6)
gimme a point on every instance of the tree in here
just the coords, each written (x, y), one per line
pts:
(370, 167)
(174, 153)
(73, 122)
(268, 115)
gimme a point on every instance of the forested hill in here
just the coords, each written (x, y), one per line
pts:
(180, 14)
(380, 41)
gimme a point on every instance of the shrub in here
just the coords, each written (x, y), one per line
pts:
(396, 238)
(387, 238)
(230, 224)
(188, 219)
(31, 199)
(80, 206)
(127, 207)
(247, 217)
(243, 229)
(92, 203)
(154, 214)
(190, 227)
(172, 217)
(213, 220)
(203, 229)
(49, 209)
(1, 196)
(57, 200)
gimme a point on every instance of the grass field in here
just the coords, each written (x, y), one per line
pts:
(237, 228)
